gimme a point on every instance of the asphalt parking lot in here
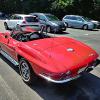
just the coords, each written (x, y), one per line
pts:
(86, 87)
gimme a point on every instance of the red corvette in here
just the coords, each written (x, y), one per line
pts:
(55, 59)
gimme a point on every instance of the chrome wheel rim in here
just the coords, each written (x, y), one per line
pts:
(25, 71)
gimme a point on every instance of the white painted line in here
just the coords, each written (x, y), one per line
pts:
(86, 34)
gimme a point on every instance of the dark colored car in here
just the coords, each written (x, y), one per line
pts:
(52, 22)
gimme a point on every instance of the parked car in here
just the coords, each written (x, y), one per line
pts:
(76, 21)
(55, 59)
(20, 19)
(52, 22)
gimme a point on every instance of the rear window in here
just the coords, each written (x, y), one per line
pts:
(29, 19)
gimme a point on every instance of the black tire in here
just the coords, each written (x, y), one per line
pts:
(26, 72)
(85, 27)
(0, 49)
(6, 26)
(48, 29)
(66, 24)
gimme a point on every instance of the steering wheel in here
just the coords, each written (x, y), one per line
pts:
(34, 36)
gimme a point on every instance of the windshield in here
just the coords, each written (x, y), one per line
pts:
(86, 18)
(52, 18)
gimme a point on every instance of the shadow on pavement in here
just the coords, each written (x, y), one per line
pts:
(85, 30)
(86, 87)
(10, 64)
(62, 33)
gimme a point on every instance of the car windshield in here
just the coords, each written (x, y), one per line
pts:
(52, 18)
(86, 18)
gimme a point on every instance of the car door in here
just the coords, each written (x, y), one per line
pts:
(79, 22)
(73, 21)
(8, 45)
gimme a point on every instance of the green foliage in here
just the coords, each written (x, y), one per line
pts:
(89, 8)
(61, 4)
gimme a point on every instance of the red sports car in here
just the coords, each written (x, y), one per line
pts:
(55, 59)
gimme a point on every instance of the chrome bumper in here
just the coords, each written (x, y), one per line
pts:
(59, 81)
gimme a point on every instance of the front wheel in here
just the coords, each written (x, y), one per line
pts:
(85, 27)
(26, 71)
(6, 26)
(48, 29)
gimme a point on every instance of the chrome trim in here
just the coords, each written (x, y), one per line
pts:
(59, 81)
(9, 58)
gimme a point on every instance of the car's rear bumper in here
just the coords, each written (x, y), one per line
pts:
(86, 69)
(59, 81)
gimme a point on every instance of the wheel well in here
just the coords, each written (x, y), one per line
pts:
(19, 57)
(85, 25)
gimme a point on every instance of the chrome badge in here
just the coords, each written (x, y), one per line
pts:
(70, 49)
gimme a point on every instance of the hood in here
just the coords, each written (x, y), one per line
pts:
(63, 53)
(95, 22)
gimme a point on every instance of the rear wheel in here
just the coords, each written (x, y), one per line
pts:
(6, 26)
(85, 27)
(26, 71)
(48, 29)
(0, 49)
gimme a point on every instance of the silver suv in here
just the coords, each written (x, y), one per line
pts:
(78, 22)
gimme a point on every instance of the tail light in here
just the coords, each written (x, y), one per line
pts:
(24, 22)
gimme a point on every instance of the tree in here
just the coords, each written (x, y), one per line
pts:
(59, 6)
(88, 8)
